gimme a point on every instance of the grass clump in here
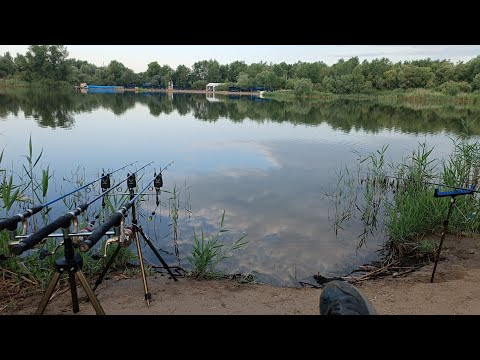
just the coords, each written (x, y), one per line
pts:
(209, 251)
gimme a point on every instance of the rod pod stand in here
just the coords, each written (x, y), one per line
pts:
(131, 183)
(119, 231)
(72, 263)
(453, 195)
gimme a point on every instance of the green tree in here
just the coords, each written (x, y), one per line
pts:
(267, 79)
(234, 69)
(283, 71)
(244, 80)
(199, 85)
(115, 73)
(44, 62)
(181, 76)
(455, 87)
(473, 68)
(476, 82)
(153, 69)
(445, 72)
(7, 65)
(200, 70)
(375, 71)
(328, 84)
(166, 73)
(450, 88)
(310, 71)
(256, 68)
(343, 67)
(303, 87)
(390, 79)
(417, 77)
(461, 72)
(213, 71)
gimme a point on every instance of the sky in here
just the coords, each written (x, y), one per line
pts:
(137, 57)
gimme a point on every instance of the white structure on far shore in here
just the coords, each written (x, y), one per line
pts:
(212, 86)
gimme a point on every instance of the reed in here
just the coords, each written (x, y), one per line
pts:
(396, 200)
(209, 251)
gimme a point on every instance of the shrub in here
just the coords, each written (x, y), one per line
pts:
(303, 87)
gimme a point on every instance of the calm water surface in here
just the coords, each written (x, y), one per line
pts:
(268, 164)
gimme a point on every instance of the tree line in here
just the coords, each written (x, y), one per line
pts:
(50, 64)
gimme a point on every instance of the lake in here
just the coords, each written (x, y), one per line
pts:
(268, 164)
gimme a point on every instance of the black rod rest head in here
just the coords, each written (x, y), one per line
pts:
(62, 265)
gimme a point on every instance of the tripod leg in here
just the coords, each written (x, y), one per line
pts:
(91, 296)
(73, 291)
(445, 228)
(157, 254)
(104, 272)
(148, 296)
(51, 286)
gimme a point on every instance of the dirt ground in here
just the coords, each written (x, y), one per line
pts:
(456, 290)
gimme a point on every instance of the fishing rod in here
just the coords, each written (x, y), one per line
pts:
(116, 218)
(11, 223)
(61, 222)
(469, 190)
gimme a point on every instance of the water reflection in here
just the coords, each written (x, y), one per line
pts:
(57, 109)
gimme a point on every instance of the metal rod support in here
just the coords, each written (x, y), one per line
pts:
(48, 293)
(445, 229)
(57, 235)
(91, 296)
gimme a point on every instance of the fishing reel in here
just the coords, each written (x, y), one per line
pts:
(123, 235)
(12, 234)
(75, 236)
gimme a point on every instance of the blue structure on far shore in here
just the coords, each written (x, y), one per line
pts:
(102, 87)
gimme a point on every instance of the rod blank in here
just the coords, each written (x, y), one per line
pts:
(61, 222)
(11, 223)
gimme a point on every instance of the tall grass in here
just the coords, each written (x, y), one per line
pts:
(209, 251)
(396, 200)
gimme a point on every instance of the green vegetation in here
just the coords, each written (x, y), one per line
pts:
(208, 252)
(303, 87)
(49, 65)
(21, 190)
(397, 199)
